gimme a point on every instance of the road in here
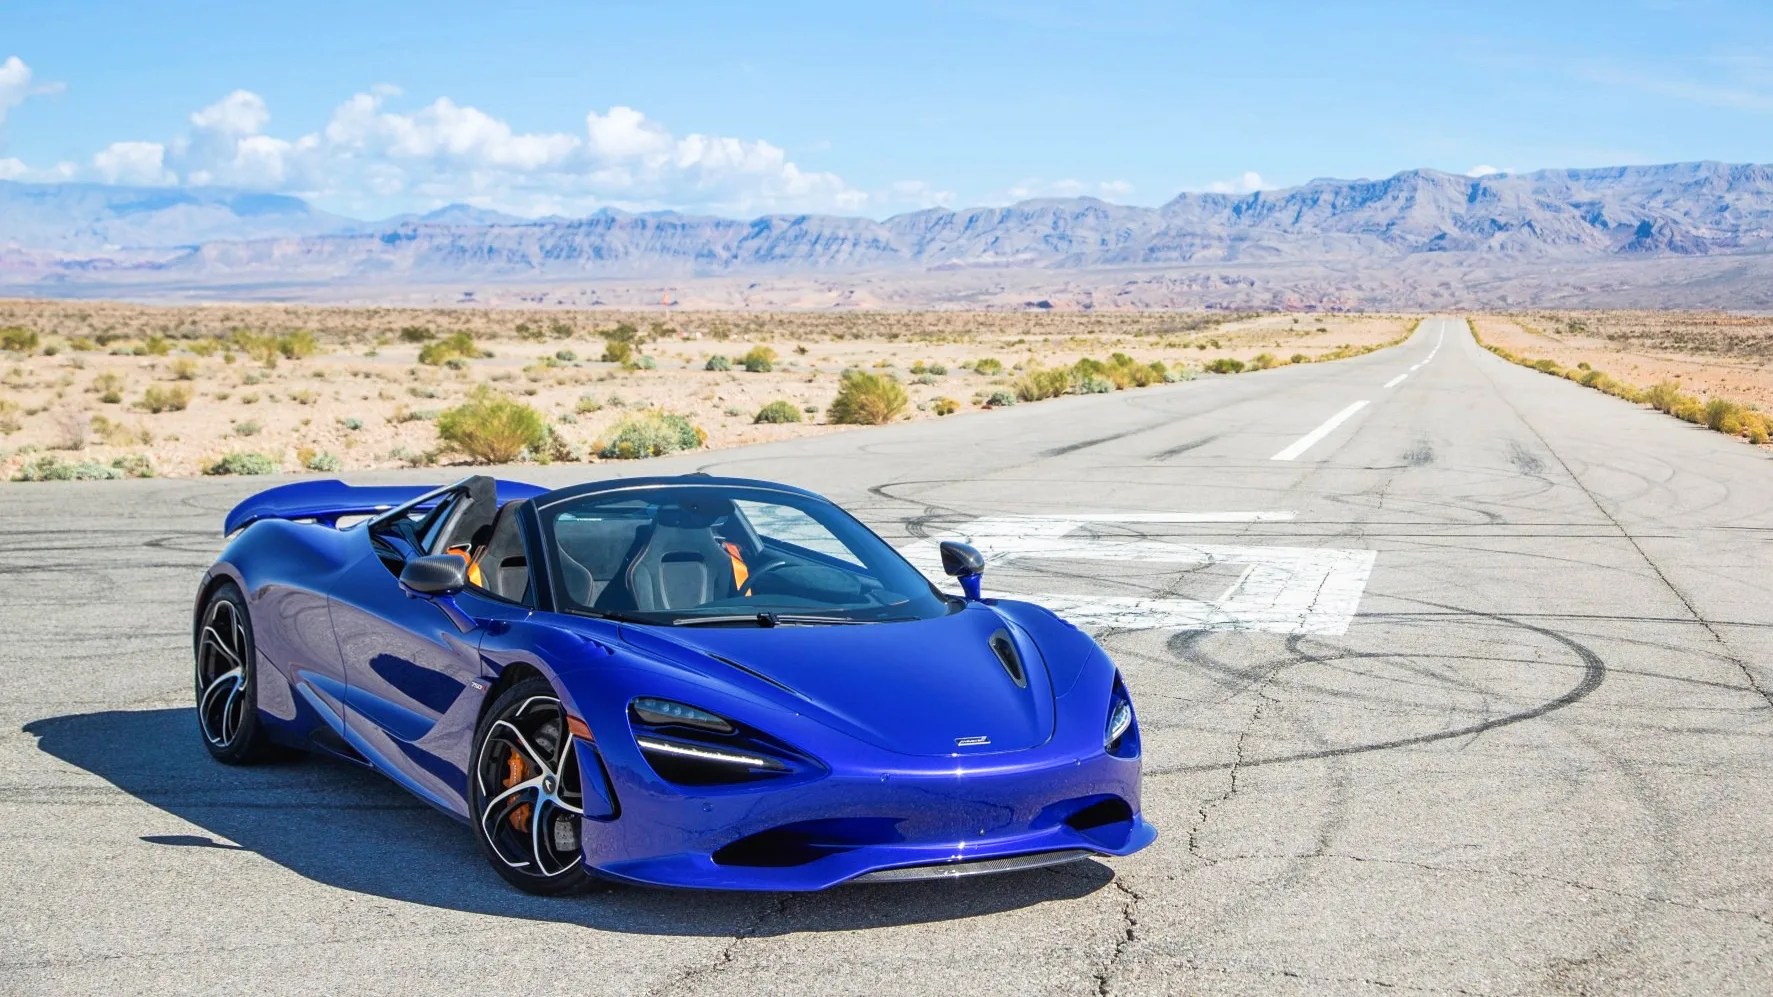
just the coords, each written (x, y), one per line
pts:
(1469, 693)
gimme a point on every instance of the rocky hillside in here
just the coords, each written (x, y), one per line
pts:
(56, 237)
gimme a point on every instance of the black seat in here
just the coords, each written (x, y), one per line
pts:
(682, 565)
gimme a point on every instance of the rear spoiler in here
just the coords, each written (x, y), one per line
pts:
(326, 502)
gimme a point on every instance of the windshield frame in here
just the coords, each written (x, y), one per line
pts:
(542, 515)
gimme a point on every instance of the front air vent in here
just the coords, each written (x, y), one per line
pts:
(1006, 652)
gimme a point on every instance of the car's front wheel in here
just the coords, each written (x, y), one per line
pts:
(227, 681)
(525, 795)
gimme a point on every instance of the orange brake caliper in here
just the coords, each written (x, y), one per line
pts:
(516, 770)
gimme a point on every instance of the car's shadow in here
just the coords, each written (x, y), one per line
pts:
(352, 829)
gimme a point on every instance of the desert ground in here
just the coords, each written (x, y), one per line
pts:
(172, 390)
(1711, 354)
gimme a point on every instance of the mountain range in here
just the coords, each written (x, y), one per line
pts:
(1486, 239)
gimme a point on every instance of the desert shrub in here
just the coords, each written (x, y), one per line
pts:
(924, 379)
(168, 399)
(134, 465)
(492, 428)
(184, 369)
(1298, 358)
(247, 428)
(156, 346)
(1689, 410)
(243, 462)
(1590, 377)
(324, 462)
(1664, 396)
(1092, 384)
(1545, 366)
(865, 399)
(18, 340)
(718, 362)
(565, 356)
(651, 434)
(459, 346)
(618, 352)
(52, 468)
(1035, 384)
(1724, 415)
(1263, 361)
(1000, 398)
(778, 411)
(109, 387)
(116, 434)
(646, 363)
(937, 369)
(351, 423)
(990, 367)
(530, 333)
(759, 360)
(298, 345)
(416, 334)
(1225, 365)
(259, 347)
(586, 405)
(944, 406)
(71, 430)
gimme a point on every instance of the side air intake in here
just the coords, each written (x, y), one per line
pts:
(1005, 648)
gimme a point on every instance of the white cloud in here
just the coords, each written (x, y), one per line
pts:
(12, 169)
(132, 163)
(239, 113)
(1247, 182)
(371, 157)
(1486, 170)
(15, 85)
(1068, 187)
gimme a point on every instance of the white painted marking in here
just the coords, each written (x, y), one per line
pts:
(1394, 382)
(1310, 439)
(1266, 516)
(1288, 590)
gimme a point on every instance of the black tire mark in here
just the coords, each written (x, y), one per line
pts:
(1594, 672)
(1184, 448)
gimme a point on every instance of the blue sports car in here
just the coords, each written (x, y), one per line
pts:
(682, 681)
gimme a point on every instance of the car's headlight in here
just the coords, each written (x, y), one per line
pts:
(1118, 735)
(695, 747)
(664, 712)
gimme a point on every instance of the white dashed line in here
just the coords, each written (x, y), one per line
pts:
(1394, 382)
(1306, 442)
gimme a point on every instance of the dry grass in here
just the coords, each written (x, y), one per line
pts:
(1705, 387)
(345, 387)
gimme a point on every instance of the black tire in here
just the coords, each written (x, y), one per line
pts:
(226, 681)
(524, 793)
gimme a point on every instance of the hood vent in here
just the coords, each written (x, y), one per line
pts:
(1006, 652)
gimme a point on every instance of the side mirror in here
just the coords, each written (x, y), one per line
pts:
(963, 561)
(434, 575)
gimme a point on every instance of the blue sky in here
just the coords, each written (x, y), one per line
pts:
(871, 108)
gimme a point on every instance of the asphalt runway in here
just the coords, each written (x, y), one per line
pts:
(1471, 694)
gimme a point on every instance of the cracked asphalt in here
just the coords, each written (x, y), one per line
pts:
(1536, 762)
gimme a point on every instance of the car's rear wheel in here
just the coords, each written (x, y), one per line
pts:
(227, 681)
(525, 796)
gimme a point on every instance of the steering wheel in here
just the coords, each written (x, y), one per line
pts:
(751, 580)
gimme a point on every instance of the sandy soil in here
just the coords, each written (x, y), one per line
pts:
(1709, 353)
(362, 397)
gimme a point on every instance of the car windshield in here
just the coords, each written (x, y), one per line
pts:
(726, 555)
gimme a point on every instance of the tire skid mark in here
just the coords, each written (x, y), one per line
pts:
(1594, 672)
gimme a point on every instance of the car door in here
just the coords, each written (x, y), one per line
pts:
(410, 664)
